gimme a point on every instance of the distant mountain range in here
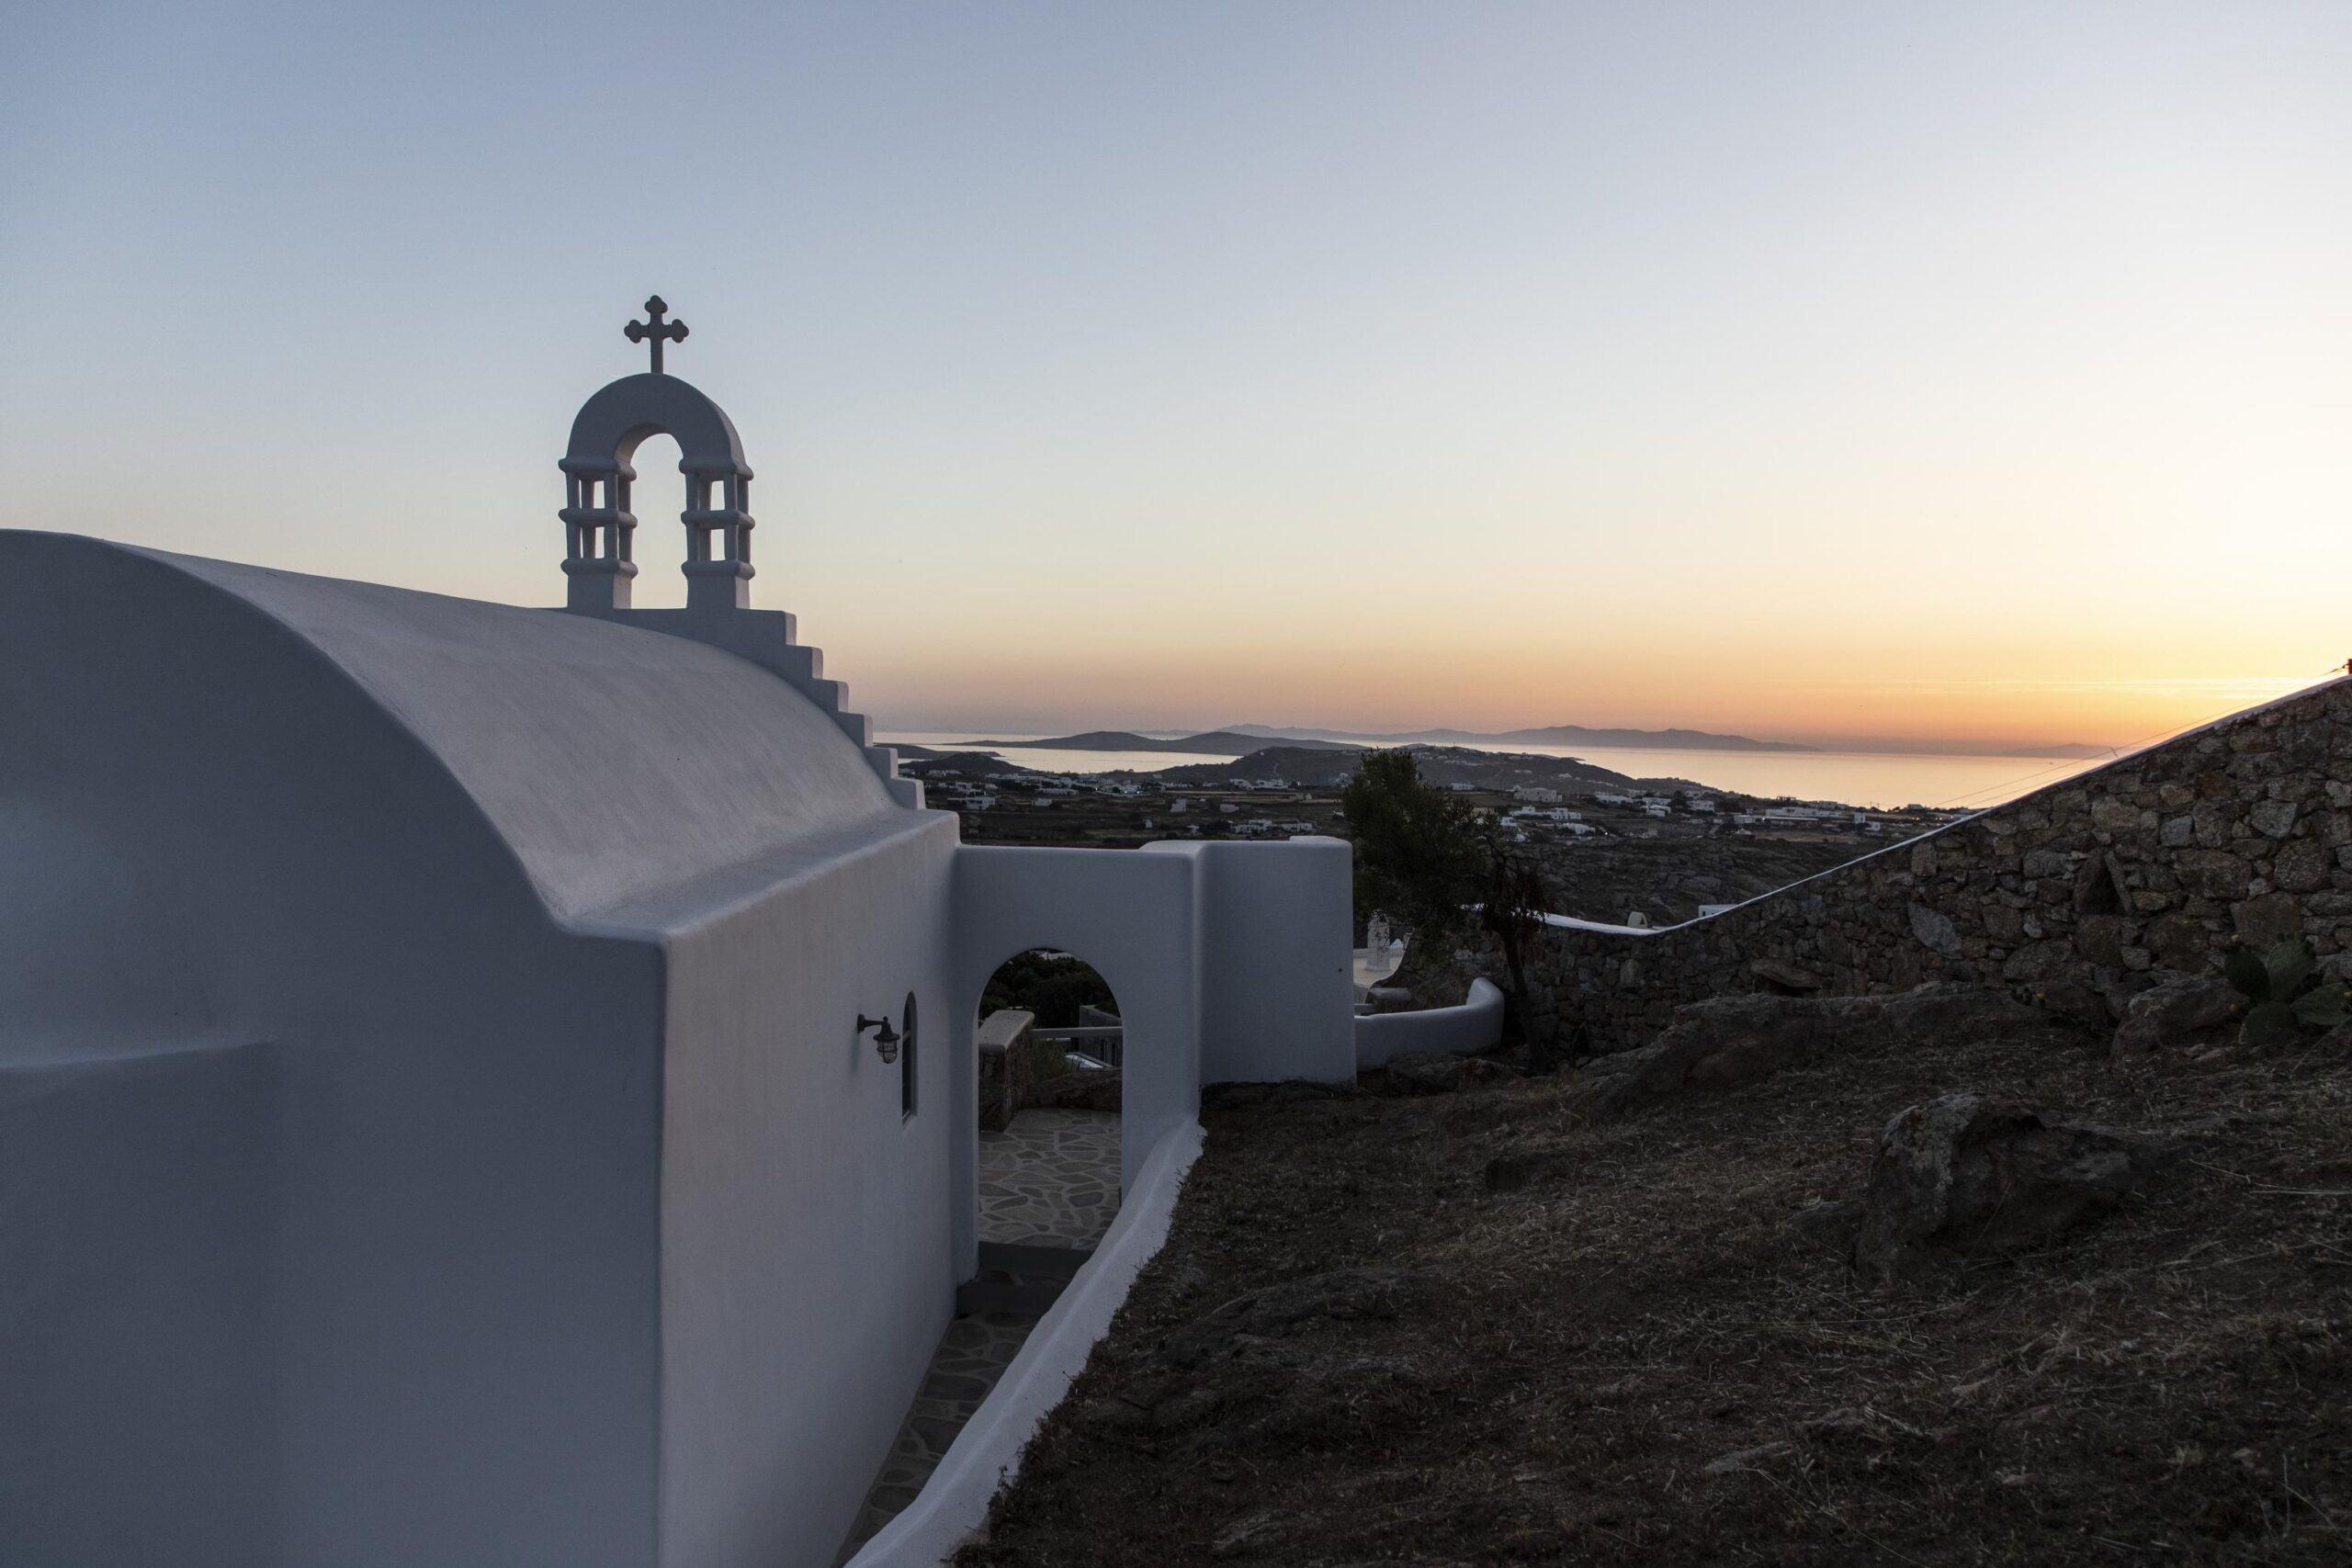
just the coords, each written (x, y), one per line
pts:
(1239, 740)
(1550, 735)
(1683, 740)
(1329, 765)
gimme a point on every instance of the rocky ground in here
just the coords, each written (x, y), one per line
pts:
(1930, 1279)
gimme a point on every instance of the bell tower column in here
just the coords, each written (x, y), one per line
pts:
(719, 537)
(596, 564)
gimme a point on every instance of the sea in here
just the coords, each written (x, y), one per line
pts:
(1856, 778)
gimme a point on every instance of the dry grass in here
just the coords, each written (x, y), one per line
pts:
(1638, 1358)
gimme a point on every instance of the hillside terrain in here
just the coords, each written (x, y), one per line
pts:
(1546, 735)
(1503, 771)
(1627, 861)
(1669, 879)
(1545, 1320)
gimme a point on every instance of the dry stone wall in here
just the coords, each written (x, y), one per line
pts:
(2076, 897)
(1006, 1067)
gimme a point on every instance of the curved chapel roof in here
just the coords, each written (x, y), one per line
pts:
(617, 763)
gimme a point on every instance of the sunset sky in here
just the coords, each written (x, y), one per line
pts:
(1807, 371)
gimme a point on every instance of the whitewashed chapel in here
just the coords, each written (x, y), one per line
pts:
(494, 1085)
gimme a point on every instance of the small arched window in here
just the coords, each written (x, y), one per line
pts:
(907, 1059)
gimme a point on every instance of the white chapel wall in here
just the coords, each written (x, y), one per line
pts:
(440, 1185)
(806, 1267)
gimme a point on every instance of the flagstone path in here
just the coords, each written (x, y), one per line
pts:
(1051, 1178)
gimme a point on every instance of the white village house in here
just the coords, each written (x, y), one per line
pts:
(486, 1086)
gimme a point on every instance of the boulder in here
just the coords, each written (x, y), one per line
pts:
(2187, 1009)
(1964, 1174)
(1732, 1040)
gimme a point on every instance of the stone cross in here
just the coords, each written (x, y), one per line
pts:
(638, 331)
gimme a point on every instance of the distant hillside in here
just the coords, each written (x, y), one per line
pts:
(1216, 742)
(1439, 764)
(1678, 739)
(1551, 735)
(919, 761)
(1632, 739)
(1292, 764)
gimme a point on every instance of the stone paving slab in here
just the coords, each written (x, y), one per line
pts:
(1051, 1178)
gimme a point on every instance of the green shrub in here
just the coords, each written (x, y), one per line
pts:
(2282, 999)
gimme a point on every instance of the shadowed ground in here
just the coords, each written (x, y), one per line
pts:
(1359, 1347)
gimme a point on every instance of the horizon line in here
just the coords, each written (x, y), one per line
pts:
(1845, 745)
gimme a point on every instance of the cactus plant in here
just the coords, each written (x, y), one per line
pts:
(2279, 1007)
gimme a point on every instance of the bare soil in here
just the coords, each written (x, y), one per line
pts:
(1638, 1355)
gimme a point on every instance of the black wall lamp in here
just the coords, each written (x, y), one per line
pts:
(886, 1039)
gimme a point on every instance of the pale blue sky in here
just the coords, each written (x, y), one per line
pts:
(1805, 369)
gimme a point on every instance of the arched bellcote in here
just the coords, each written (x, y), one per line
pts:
(598, 564)
(598, 557)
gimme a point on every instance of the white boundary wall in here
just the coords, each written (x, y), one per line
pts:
(1277, 986)
(1464, 1031)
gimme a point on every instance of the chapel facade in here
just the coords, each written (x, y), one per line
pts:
(442, 1119)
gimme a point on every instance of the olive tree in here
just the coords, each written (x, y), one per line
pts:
(1425, 856)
